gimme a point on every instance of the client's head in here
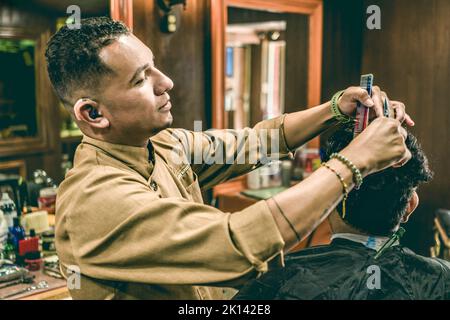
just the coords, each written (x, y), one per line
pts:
(386, 198)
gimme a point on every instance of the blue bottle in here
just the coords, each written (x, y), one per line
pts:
(17, 232)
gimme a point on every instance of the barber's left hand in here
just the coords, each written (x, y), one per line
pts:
(348, 101)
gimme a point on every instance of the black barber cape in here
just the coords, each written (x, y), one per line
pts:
(343, 269)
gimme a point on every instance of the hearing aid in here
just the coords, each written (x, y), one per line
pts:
(93, 113)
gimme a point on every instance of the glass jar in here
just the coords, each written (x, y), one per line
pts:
(47, 200)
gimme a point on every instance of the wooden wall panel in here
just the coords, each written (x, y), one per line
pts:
(297, 46)
(182, 56)
(342, 45)
(410, 57)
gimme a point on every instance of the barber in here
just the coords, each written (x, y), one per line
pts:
(130, 217)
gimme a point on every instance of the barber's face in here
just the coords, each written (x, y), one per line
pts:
(135, 96)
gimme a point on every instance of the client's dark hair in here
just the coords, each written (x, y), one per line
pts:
(72, 55)
(378, 206)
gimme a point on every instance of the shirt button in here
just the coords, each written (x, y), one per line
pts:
(154, 185)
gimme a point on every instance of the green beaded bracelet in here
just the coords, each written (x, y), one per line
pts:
(357, 176)
(343, 118)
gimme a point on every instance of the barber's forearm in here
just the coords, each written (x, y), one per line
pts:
(308, 203)
(302, 126)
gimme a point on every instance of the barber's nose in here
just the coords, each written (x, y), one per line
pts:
(164, 84)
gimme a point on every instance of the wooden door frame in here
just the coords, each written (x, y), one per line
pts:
(312, 8)
(122, 10)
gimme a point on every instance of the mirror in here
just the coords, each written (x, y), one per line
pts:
(266, 59)
(254, 68)
(18, 116)
(25, 91)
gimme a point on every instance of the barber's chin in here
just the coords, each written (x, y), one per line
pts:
(169, 119)
(164, 124)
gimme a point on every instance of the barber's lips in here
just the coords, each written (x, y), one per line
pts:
(166, 107)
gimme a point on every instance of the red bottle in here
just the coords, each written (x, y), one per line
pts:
(30, 244)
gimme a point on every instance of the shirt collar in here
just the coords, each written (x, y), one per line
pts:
(371, 242)
(141, 159)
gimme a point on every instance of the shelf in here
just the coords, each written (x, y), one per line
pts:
(72, 139)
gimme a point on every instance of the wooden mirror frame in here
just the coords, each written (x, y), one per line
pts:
(44, 96)
(122, 10)
(312, 8)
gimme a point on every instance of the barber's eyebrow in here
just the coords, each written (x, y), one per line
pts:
(142, 68)
(138, 71)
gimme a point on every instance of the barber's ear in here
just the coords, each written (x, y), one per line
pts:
(412, 205)
(87, 110)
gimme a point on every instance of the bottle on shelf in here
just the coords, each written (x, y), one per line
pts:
(66, 164)
(47, 199)
(3, 230)
(8, 252)
(29, 244)
(18, 233)
(8, 207)
(286, 173)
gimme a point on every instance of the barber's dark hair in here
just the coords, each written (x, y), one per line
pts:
(378, 206)
(72, 55)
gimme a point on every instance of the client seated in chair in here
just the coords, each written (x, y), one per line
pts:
(348, 268)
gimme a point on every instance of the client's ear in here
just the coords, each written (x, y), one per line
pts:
(87, 110)
(412, 205)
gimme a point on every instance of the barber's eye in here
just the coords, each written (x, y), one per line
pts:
(141, 81)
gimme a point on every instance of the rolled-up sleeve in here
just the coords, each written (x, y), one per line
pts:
(148, 239)
(220, 155)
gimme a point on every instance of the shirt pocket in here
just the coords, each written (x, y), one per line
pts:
(189, 180)
(187, 176)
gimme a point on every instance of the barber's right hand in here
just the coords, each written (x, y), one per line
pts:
(379, 146)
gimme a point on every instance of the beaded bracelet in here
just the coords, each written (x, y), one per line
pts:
(344, 186)
(357, 176)
(343, 118)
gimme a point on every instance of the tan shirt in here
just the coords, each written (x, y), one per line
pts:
(138, 229)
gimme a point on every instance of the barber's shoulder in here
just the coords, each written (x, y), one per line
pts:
(173, 146)
(169, 136)
(100, 176)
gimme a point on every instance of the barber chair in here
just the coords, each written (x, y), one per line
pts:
(441, 249)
